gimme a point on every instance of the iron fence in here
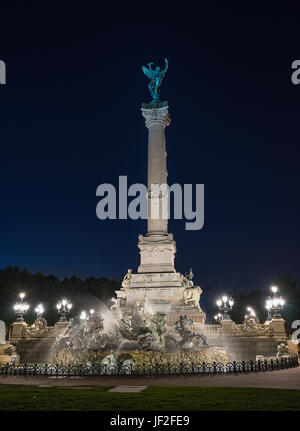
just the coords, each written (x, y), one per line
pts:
(149, 370)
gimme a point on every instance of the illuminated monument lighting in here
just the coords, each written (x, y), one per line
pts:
(156, 285)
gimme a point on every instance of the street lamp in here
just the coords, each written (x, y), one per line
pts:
(39, 309)
(83, 316)
(274, 304)
(250, 312)
(274, 289)
(218, 317)
(21, 307)
(225, 306)
(63, 306)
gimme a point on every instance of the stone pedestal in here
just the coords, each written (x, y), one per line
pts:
(157, 253)
(279, 329)
(227, 326)
(156, 120)
(16, 331)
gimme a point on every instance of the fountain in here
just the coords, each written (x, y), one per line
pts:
(137, 338)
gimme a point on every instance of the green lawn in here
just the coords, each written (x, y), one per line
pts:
(152, 398)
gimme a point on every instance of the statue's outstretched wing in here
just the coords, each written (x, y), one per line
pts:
(147, 72)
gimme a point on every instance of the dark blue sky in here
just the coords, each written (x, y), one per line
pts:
(71, 120)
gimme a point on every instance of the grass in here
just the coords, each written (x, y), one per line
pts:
(24, 398)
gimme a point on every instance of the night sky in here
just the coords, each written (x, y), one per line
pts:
(71, 120)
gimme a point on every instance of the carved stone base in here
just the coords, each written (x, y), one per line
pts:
(157, 253)
(157, 286)
(169, 293)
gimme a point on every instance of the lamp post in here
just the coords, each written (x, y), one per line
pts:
(269, 307)
(83, 316)
(225, 306)
(21, 307)
(218, 317)
(63, 306)
(39, 309)
(274, 304)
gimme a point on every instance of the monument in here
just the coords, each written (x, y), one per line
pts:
(157, 285)
(156, 323)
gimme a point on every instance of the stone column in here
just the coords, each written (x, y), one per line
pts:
(156, 120)
(157, 247)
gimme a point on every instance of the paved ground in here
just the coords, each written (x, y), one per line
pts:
(124, 388)
(283, 379)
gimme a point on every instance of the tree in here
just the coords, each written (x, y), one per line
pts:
(48, 289)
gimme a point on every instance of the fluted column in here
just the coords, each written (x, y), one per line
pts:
(156, 120)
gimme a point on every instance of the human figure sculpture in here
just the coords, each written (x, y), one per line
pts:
(191, 296)
(189, 274)
(156, 77)
(282, 349)
(127, 279)
(116, 303)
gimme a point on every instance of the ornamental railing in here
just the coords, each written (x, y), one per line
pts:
(150, 370)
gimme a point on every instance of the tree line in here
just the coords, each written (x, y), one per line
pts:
(48, 289)
(96, 293)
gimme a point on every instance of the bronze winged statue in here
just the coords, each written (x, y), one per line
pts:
(156, 77)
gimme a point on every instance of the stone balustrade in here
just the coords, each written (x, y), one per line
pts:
(242, 341)
(206, 329)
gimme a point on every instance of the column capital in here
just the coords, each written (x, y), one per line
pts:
(156, 116)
